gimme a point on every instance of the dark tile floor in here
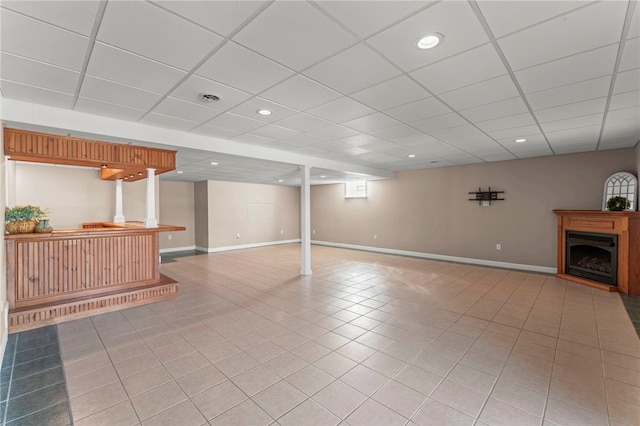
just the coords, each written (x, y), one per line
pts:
(632, 304)
(33, 390)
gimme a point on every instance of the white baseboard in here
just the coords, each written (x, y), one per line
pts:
(246, 246)
(472, 261)
(172, 249)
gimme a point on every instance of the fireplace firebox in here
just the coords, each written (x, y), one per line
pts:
(593, 256)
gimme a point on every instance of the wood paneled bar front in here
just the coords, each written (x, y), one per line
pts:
(70, 274)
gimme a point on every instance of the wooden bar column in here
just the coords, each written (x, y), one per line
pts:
(119, 217)
(150, 221)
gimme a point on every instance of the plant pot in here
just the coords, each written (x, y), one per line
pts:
(21, 226)
(43, 227)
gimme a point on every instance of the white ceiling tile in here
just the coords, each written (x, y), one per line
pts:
(36, 95)
(627, 81)
(334, 132)
(515, 133)
(193, 87)
(572, 123)
(419, 110)
(455, 132)
(352, 70)
(360, 140)
(398, 91)
(580, 30)
(440, 122)
(303, 140)
(366, 17)
(119, 94)
(577, 109)
(492, 90)
(625, 100)
(371, 122)
(300, 93)
(275, 132)
(495, 110)
(220, 16)
(161, 35)
(235, 122)
(417, 140)
(186, 110)
(115, 64)
(342, 109)
(580, 67)
(620, 134)
(401, 131)
(304, 123)
(216, 132)
(37, 40)
(454, 19)
(33, 73)
(624, 114)
(254, 139)
(504, 156)
(574, 140)
(570, 93)
(469, 67)
(509, 122)
(631, 55)
(379, 145)
(536, 145)
(298, 34)
(251, 107)
(72, 15)
(161, 120)
(505, 17)
(634, 29)
(92, 106)
(236, 66)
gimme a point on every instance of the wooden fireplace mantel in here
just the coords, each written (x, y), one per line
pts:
(626, 225)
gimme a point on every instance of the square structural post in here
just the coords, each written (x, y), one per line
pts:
(150, 221)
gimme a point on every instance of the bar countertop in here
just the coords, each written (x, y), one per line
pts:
(96, 229)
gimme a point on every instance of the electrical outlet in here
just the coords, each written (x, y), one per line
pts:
(375, 236)
(169, 237)
(281, 231)
(237, 236)
(498, 246)
(313, 232)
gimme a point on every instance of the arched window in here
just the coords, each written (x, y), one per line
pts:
(621, 184)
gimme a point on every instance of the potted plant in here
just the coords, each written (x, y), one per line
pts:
(22, 219)
(618, 204)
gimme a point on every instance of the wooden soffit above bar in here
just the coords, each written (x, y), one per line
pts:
(116, 161)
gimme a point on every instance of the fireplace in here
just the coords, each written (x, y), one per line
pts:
(592, 256)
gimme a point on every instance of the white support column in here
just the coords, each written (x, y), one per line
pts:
(305, 220)
(150, 221)
(119, 217)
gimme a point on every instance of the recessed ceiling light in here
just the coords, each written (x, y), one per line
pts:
(179, 172)
(521, 140)
(322, 176)
(264, 112)
(411, 155)
(280, 180)
(214, 163)
(429, 41)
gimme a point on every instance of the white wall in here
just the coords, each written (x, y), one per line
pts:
(4, 308)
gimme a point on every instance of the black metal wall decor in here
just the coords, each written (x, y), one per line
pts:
(486, 196)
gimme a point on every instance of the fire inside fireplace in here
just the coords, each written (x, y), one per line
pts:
(592, 256)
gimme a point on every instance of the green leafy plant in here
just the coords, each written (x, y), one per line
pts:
(12, 214)
(617, 204)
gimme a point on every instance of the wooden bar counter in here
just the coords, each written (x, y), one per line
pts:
(75, 273)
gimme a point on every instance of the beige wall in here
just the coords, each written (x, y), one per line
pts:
(258, 213)
(177, 208)
(76, 194)
(201, 216)
(427, 210)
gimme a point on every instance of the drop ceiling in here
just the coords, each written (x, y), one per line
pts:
(344, 80)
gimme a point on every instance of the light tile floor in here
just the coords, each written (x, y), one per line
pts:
(368, 339)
